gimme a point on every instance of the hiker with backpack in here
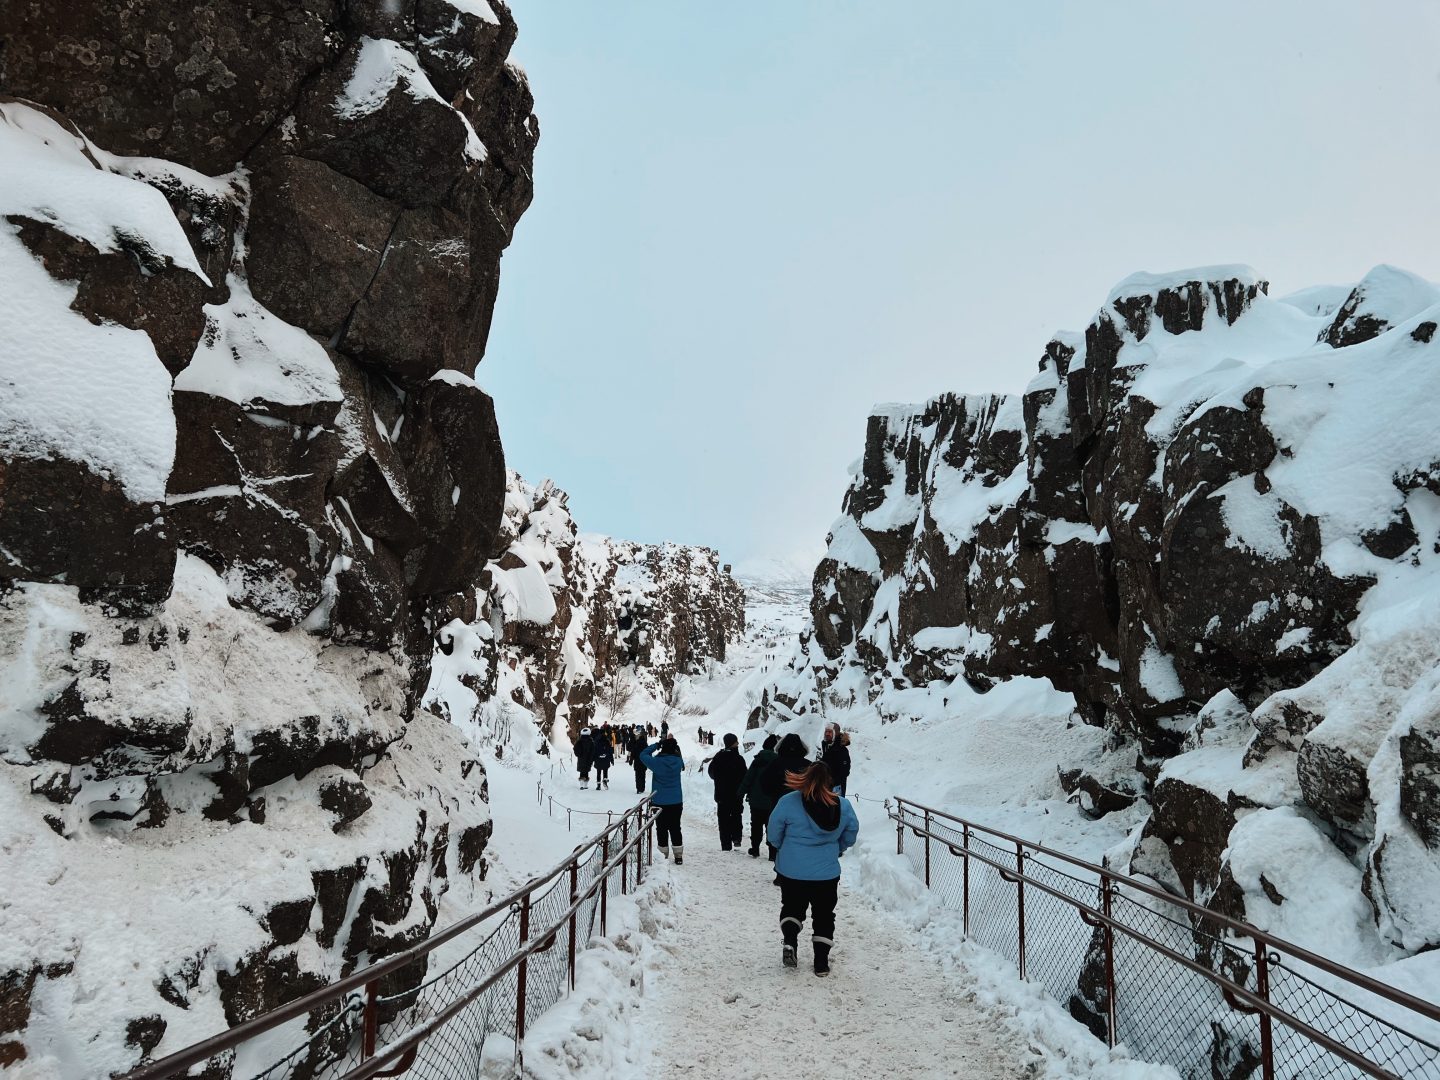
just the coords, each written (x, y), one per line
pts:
(727, 769)
(835, 752)
(585, 756)
(760, 803)
(664, 761)
(812, 827)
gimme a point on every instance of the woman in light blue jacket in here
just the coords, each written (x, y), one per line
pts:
(812, 826)
(664, 760)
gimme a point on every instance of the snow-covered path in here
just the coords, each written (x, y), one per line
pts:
(725, 1008)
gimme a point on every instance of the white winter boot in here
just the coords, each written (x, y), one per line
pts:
(679, 855)
(664, 852)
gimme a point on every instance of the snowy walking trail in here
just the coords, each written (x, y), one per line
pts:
(725, 1008)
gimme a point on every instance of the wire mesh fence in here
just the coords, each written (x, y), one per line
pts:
(429, 1011)
(1171, 981)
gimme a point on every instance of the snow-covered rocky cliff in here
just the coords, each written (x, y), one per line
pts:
(248, 258)
(560, 615)
(263, 572)
(1213, 520)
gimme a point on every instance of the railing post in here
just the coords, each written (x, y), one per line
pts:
(574, 895)
(1020, 899)
(521, 972)
(1262, 988)
(1112, 1012)
(624, 861)
(372, 1020)
(899, 829)
(965, 829)
(605, 884)
(927, 849)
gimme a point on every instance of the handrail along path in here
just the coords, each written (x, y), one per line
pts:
(1173, 980)
(436, 1027)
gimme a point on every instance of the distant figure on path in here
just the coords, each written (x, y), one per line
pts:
(835, 752)
(664, 760)
(727, 769)
(585, 756)
(812, 826)
(760, 803)
(634, 745)
(604, 758)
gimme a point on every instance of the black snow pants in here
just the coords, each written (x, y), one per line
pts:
(757, 832)
(668, 824)
(639, 777)
(731, 813)
(820, 897)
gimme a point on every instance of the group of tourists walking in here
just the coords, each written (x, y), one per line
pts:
(595, 749)
(796, 808)
(598, 747)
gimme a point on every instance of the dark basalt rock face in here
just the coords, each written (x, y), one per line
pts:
(616, 611)
(246, 641)
(1146, 528)
(1104, 560)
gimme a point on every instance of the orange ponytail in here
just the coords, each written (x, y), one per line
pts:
(814, 784)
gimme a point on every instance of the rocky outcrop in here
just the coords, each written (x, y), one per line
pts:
(1213, 519)
(559, 617)
(250, 255)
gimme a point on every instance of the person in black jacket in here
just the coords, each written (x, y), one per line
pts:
(584, 756)
(727, 769)
(793, 756)
(835, 752)
(604, 758)
(636, 744)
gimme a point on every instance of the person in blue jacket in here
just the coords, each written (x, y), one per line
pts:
(664, 760)
(812, 827)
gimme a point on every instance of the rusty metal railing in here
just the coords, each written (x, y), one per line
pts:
(393, 1018)
(1171, 980)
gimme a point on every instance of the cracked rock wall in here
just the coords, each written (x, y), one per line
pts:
(249, 256)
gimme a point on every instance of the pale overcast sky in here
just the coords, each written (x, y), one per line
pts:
(754, 220)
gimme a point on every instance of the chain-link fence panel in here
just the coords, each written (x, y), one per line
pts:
(445, 1011)
(1170, 981)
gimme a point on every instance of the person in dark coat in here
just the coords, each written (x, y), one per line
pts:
(664, 760)
(760, 803)
(585, 756)
(727, 769)
(812, 826)
(604, 758)
(791, 756)
(636, 744)
(835, 752)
